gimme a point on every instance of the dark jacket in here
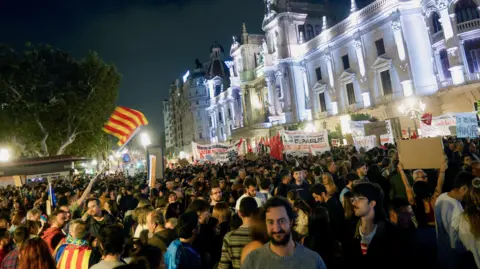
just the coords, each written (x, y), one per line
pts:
(386, 250)
(95, 226)
(162, 239)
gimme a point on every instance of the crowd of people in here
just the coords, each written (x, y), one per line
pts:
(342, 209)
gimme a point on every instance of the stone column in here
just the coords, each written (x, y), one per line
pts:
(328, 61)
(449, 25)
(270, 81)
(244, 106)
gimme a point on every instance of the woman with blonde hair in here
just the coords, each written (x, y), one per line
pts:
(140, 216)
(34, 254)
(469, 222)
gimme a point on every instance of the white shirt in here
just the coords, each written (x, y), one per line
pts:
(260, 198)
(446, 210)
(467, 238)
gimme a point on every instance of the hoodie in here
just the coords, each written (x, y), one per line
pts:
(52, 236)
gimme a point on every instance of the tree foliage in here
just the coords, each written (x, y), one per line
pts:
(52, 103)
(362, 117)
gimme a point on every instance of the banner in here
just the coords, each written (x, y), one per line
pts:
(216, 152)
(467, 126)
(357, 128)
(366, 142)
(300, 143)
(439, 126)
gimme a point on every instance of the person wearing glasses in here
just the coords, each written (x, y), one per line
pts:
(376, 242)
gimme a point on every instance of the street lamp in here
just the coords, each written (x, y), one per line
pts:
(145, 140)
(4, 155)
(414, 109)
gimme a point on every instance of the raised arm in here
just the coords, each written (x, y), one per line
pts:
(440, 181)
(87, 191)
(408, 188)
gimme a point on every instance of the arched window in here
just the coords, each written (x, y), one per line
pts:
(437, 26)
(466, 10)
(310, 32)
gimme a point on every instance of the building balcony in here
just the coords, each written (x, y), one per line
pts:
(468, 26)
(437, 37)
(247, 76)
(322, 115)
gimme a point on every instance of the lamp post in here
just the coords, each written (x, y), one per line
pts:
(414, 109)
(4, 155)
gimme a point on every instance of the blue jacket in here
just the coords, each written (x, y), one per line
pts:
(181, 256)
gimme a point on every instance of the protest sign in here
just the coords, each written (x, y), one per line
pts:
(152, 169)
(357, 128)
(216, 152)
(375, 128)
(366, 142)
(425, 153)
(467, 125)
(335, 142)
(299, 142)
(439, 126)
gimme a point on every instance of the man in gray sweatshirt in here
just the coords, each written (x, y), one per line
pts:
(282, 252)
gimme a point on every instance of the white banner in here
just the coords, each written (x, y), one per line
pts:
(216, 152)
(440, 126)
(358, 130)
(366, 142)
(300, 143)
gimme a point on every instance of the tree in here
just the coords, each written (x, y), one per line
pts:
(362, 117)
(52, 103)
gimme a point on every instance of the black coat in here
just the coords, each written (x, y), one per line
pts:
(386, 250)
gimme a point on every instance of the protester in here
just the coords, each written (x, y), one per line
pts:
(180, 253)
(279, 219)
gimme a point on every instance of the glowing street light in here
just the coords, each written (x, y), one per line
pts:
(414, 109)
(145, 140)
(94, 162)
(4, 155)
(309, 128)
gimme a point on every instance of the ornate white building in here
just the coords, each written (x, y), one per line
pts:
(303, 69)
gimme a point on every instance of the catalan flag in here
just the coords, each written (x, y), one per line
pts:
(123, 123)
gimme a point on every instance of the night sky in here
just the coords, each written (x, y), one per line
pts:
(152, 42)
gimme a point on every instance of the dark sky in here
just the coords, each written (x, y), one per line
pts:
(151, 42)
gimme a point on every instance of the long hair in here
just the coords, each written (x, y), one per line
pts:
(472, 210)
(34, 254)
(221, 212)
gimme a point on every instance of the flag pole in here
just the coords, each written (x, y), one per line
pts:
(129, 139)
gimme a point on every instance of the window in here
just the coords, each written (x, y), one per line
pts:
(318, 29)
(351, 94)
(310, 33)
(346, 63)
(323, 103)
(229, 113)
(380, 47)
(200, 136)
(318, 72)
(218, 89)
(386, 82)
(445, 64)
(437, 26)
(301, 30)
(466, 10)
(220, 118)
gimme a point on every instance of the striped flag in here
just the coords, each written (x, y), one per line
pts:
(123, 123)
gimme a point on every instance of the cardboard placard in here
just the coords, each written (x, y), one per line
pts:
(425, 153)
(152, 171)
(375, 128)
(18, 181)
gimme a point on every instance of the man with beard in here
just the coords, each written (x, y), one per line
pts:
(281, 252)
(216, 196)
(301, 185)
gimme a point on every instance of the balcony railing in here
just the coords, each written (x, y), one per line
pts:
(472, 77)
(468, 26)
(374, 8)
(437, 37)
(445, 83)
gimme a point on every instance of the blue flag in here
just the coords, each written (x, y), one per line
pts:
(51, 194)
